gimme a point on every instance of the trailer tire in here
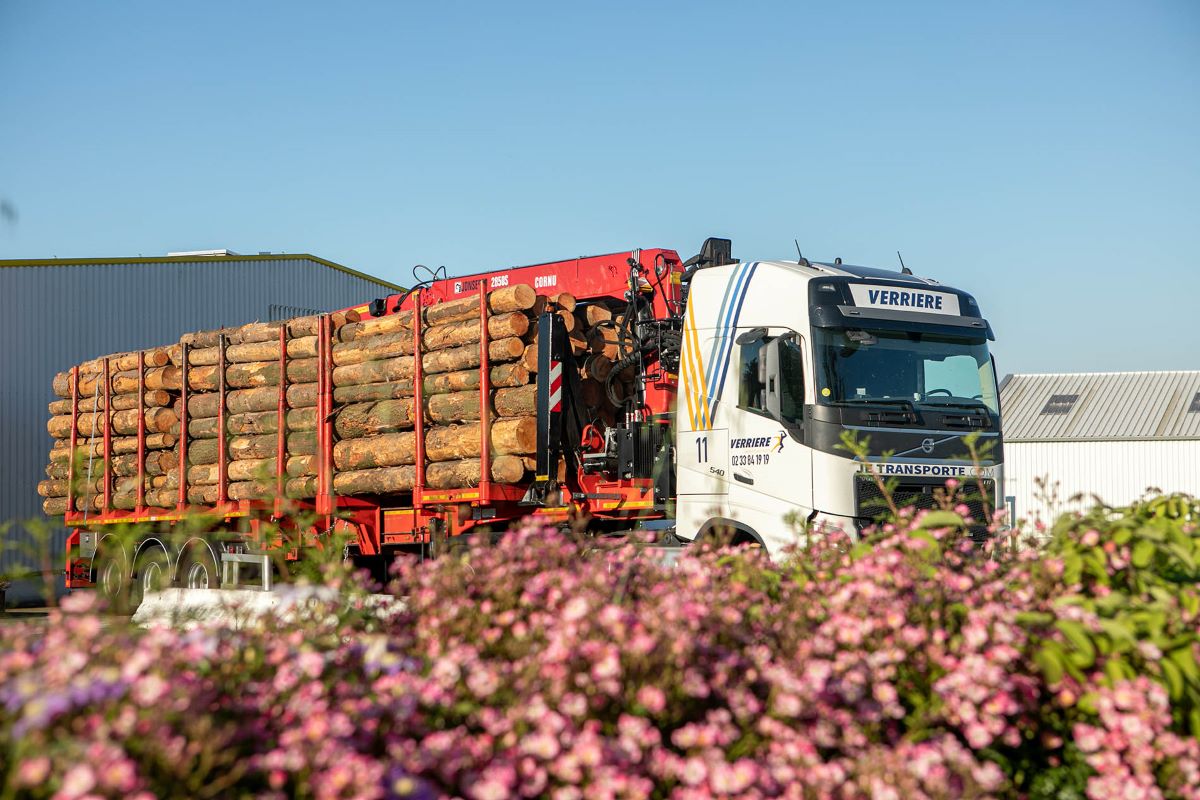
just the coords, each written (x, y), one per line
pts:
(198, 569)
(152, 572)
(112, 578)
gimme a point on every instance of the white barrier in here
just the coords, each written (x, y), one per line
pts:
(189, 608)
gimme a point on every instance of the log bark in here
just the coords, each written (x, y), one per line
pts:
(517, 402)
(156, 464)
(466, 473)
(467, 356)
(254, 423)
(60, 452)
(154, 398)
(386, 480)
(164, 378)
(370, 392)
(597, 367)
(367, 419)
(386, 416)
(453, 359)
(158, 420)
(519, 297)
(167, 378)
(303, 347)
(242, 401)
(501, 375)
(265, 490)
(267, 331)
(500, 326)
(252, 470)
(439, 337)
(240, 448)
(603, 340)
(442, 443)
(57, 506)
(529, 358)
(251, 375)
(120, 362)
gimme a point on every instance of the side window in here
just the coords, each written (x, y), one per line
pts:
(791, 375)
(752, 384)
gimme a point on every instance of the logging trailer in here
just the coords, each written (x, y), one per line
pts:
(745, 378)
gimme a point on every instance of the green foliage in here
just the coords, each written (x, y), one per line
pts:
(1130, 603)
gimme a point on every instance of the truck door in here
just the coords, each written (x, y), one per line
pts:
(770, 469)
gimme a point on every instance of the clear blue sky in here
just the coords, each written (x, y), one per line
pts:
(1045, 156)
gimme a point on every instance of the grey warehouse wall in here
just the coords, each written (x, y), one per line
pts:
(52, 317)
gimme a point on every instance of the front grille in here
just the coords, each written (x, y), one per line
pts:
(871, 504)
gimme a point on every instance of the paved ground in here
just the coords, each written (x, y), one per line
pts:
(24, 614)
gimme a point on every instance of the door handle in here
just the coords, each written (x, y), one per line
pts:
(737, 476)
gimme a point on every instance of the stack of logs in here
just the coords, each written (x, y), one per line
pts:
(373, 403)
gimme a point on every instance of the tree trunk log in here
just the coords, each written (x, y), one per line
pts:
(154, 398)
(121, 362)
(158, 420)
(502, 375)
(439, 337)
(60, 452)
(303, 347)
(243, 401)
(254, 423)
(257, 469)
(386, 480)
(529, 358)
(122, 382)
(517, 402)
(465, 473)
(564, 300)
(251, 374)
(241, 448)
(442, 443)
(452, 359)
(597, 367)
(595, 313)
(512, 298)
(268, 331)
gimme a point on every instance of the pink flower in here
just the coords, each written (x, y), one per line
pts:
(33, 771)
(652, 698)
(149, 689)
(79, 780)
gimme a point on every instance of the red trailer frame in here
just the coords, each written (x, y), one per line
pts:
(424, 515)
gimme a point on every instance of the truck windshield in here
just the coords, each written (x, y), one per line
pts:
(903, 368)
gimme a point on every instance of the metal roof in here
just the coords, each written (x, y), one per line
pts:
(191, 259)
(1101, 406)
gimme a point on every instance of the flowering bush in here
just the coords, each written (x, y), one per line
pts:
(909, 665)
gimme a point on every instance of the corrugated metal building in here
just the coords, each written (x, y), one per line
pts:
(1110, 435)
(55, 313)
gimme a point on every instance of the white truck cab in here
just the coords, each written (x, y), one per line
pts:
(780, 359)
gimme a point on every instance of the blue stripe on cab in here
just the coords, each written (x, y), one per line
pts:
(736, 312)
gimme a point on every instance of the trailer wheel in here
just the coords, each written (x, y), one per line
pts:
(198, 569)
(112, 578)
(151, 573)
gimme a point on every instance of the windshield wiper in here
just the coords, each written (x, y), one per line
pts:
(971, 404)
(881, 401)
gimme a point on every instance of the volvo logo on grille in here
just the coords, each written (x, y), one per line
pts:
(927, 445)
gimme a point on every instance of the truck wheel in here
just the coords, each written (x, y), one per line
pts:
(199, 569)
(152, 573)
(112, 579)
